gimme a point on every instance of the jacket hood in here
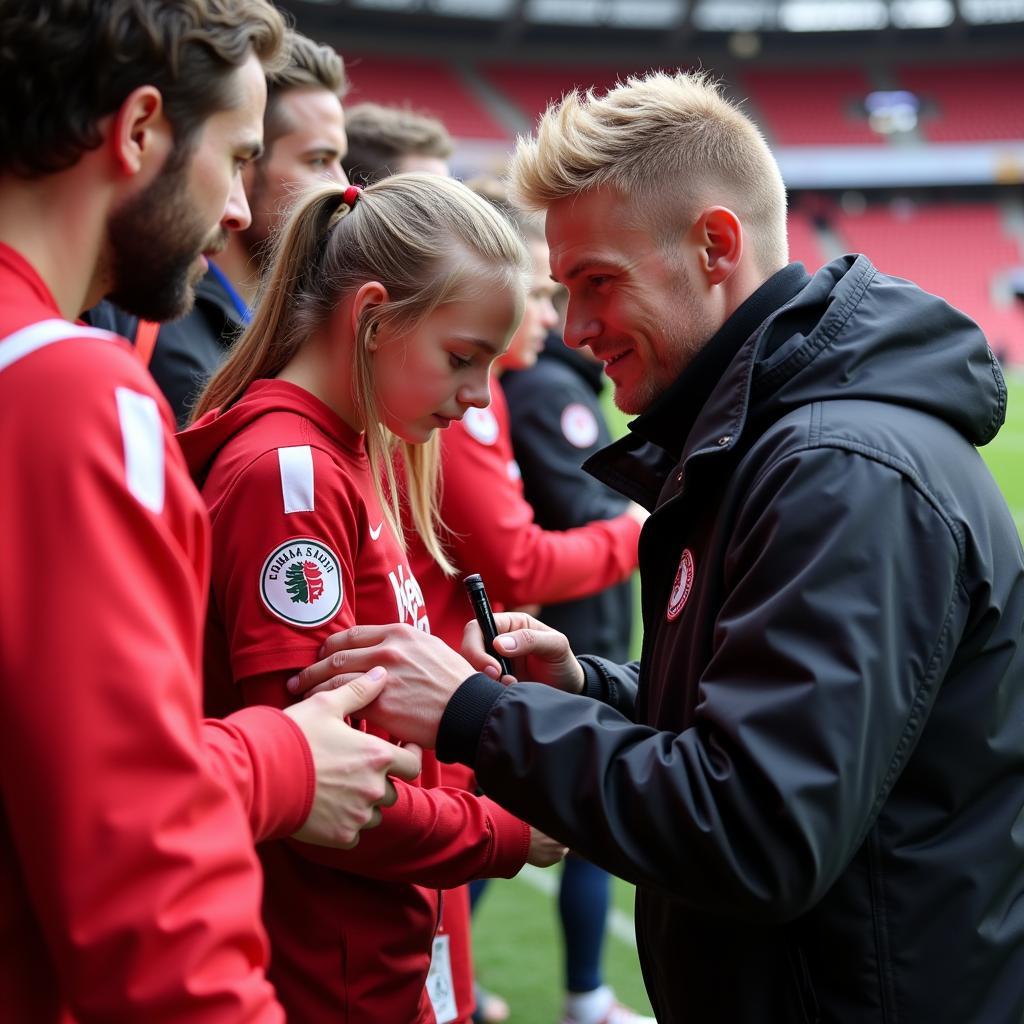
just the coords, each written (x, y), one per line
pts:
(855, 333)
(202, 441)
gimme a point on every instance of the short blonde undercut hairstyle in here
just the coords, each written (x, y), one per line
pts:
(671, 142)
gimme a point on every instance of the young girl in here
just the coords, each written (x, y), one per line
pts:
(379, 320)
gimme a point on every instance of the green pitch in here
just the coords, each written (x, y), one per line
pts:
(518, 949)
(1005, 455)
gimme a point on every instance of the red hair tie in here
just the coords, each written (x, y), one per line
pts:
(348, 201)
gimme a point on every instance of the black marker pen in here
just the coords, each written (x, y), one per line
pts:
(482, 610)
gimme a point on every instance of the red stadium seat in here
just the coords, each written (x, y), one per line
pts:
(804, 246)
(532, 87)
(812, 107)
(971, 102)
(428, 86)
(952, 250)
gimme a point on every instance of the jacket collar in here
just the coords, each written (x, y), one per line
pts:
(671, 417)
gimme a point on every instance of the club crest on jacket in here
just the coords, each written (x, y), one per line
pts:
(579, 425)
(681, 587)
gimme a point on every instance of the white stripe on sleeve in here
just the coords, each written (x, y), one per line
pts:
(296, 478)
(42, 333)
(143, 437)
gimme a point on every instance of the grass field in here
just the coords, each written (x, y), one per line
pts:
(516, 936)
(1005, 455)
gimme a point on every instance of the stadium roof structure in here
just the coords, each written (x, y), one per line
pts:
(898, 92)
(740, 28)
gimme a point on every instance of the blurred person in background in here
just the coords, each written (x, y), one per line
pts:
(394, 140)
(129, 887)
(304, 143)
(815, 774)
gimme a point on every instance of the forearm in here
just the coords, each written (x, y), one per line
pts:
(547, 756)
(439, 838)
(262, 755)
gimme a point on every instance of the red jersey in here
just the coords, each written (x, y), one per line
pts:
(301, 550)
(493, 533)
(129, 888)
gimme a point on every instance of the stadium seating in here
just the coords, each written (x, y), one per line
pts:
(532, 87)
(968, 103)
(804, 246)
(957, 250)
(430, 86)
(954, 250)
(811, 106)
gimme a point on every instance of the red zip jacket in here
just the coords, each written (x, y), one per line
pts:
(300, 551)
(129, 889)
(494, 534)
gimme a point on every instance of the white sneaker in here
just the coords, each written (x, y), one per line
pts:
(612, 1012)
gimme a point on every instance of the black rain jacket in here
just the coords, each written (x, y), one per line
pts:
(815, 776)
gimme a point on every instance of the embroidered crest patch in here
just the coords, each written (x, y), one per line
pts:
(579, 425)
(301, 582)
(681, 587)
(481, 424)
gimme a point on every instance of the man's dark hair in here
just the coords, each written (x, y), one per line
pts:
(378, 138)
(309, 65)
(67, 64)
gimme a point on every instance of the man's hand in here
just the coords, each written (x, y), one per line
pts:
(423, 672)
(544, 851)
(352, 767)
(537, 652)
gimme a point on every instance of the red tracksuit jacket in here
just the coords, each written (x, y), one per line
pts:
(301, 551)
(129, 888)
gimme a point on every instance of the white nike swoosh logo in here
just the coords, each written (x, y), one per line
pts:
(374, 534)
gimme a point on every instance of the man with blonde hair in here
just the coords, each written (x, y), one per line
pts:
(815, 774)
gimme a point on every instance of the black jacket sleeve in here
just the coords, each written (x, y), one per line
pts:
(467, 711)
(611, 684)
(830, 644)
